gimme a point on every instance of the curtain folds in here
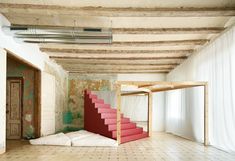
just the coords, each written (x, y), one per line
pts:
(215, 64)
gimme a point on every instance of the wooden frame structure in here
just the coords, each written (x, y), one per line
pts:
(149, 87)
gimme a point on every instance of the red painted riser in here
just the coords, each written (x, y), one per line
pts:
(123, 126)
(110, 115)
(114, 121)
(128, 132)
(93, 96)
(134, 137)
(102, 105)
(101, 118)
(99, 101)
(106, 110)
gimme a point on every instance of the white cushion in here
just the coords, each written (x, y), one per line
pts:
(78, 134)
(86, 138)
(56, 139)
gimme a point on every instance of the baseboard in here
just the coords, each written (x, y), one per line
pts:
(2, 150)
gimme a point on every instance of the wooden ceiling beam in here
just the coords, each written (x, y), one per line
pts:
(153, 43)
(114, 69)
(117, 56)
(119, 62)
(106, 51)
(79, 63)
(203, 30)
(129, 44)
(117, 12)
(119, 72)
(105, 66)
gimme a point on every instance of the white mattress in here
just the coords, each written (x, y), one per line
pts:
(78, 138)
(57, 139)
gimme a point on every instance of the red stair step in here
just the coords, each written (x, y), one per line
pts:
(92, 96)
(106, 110)
(123, 126)
(107, 123)
(134, 137)
(109, 115)
(102, 105)
(128, 132)
(98, 101)
(114, 121)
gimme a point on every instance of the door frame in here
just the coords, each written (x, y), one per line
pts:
(22, 102)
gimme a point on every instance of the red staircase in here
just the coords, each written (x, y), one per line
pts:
(100, 118)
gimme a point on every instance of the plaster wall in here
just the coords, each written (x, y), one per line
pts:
(3, 60)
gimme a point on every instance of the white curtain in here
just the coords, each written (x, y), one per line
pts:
(135, 107)
(184, 113)
(215, 64)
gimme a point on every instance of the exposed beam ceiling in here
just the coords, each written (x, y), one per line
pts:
(148, 36)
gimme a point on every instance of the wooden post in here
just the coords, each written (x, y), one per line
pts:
(150, 113)
(206, 123)
(118, 96)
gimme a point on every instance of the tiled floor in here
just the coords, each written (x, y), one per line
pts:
(161, 147)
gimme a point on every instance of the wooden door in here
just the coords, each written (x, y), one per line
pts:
(14, 108)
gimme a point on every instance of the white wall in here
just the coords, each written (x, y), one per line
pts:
(48, 104)
(28, 52)
(215, 64)
(2, 100)
(158, 113)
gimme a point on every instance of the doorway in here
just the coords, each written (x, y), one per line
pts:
(14, 107)
(23, 101)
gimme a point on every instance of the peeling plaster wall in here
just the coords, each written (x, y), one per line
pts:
(16, 69)
(77, 85)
